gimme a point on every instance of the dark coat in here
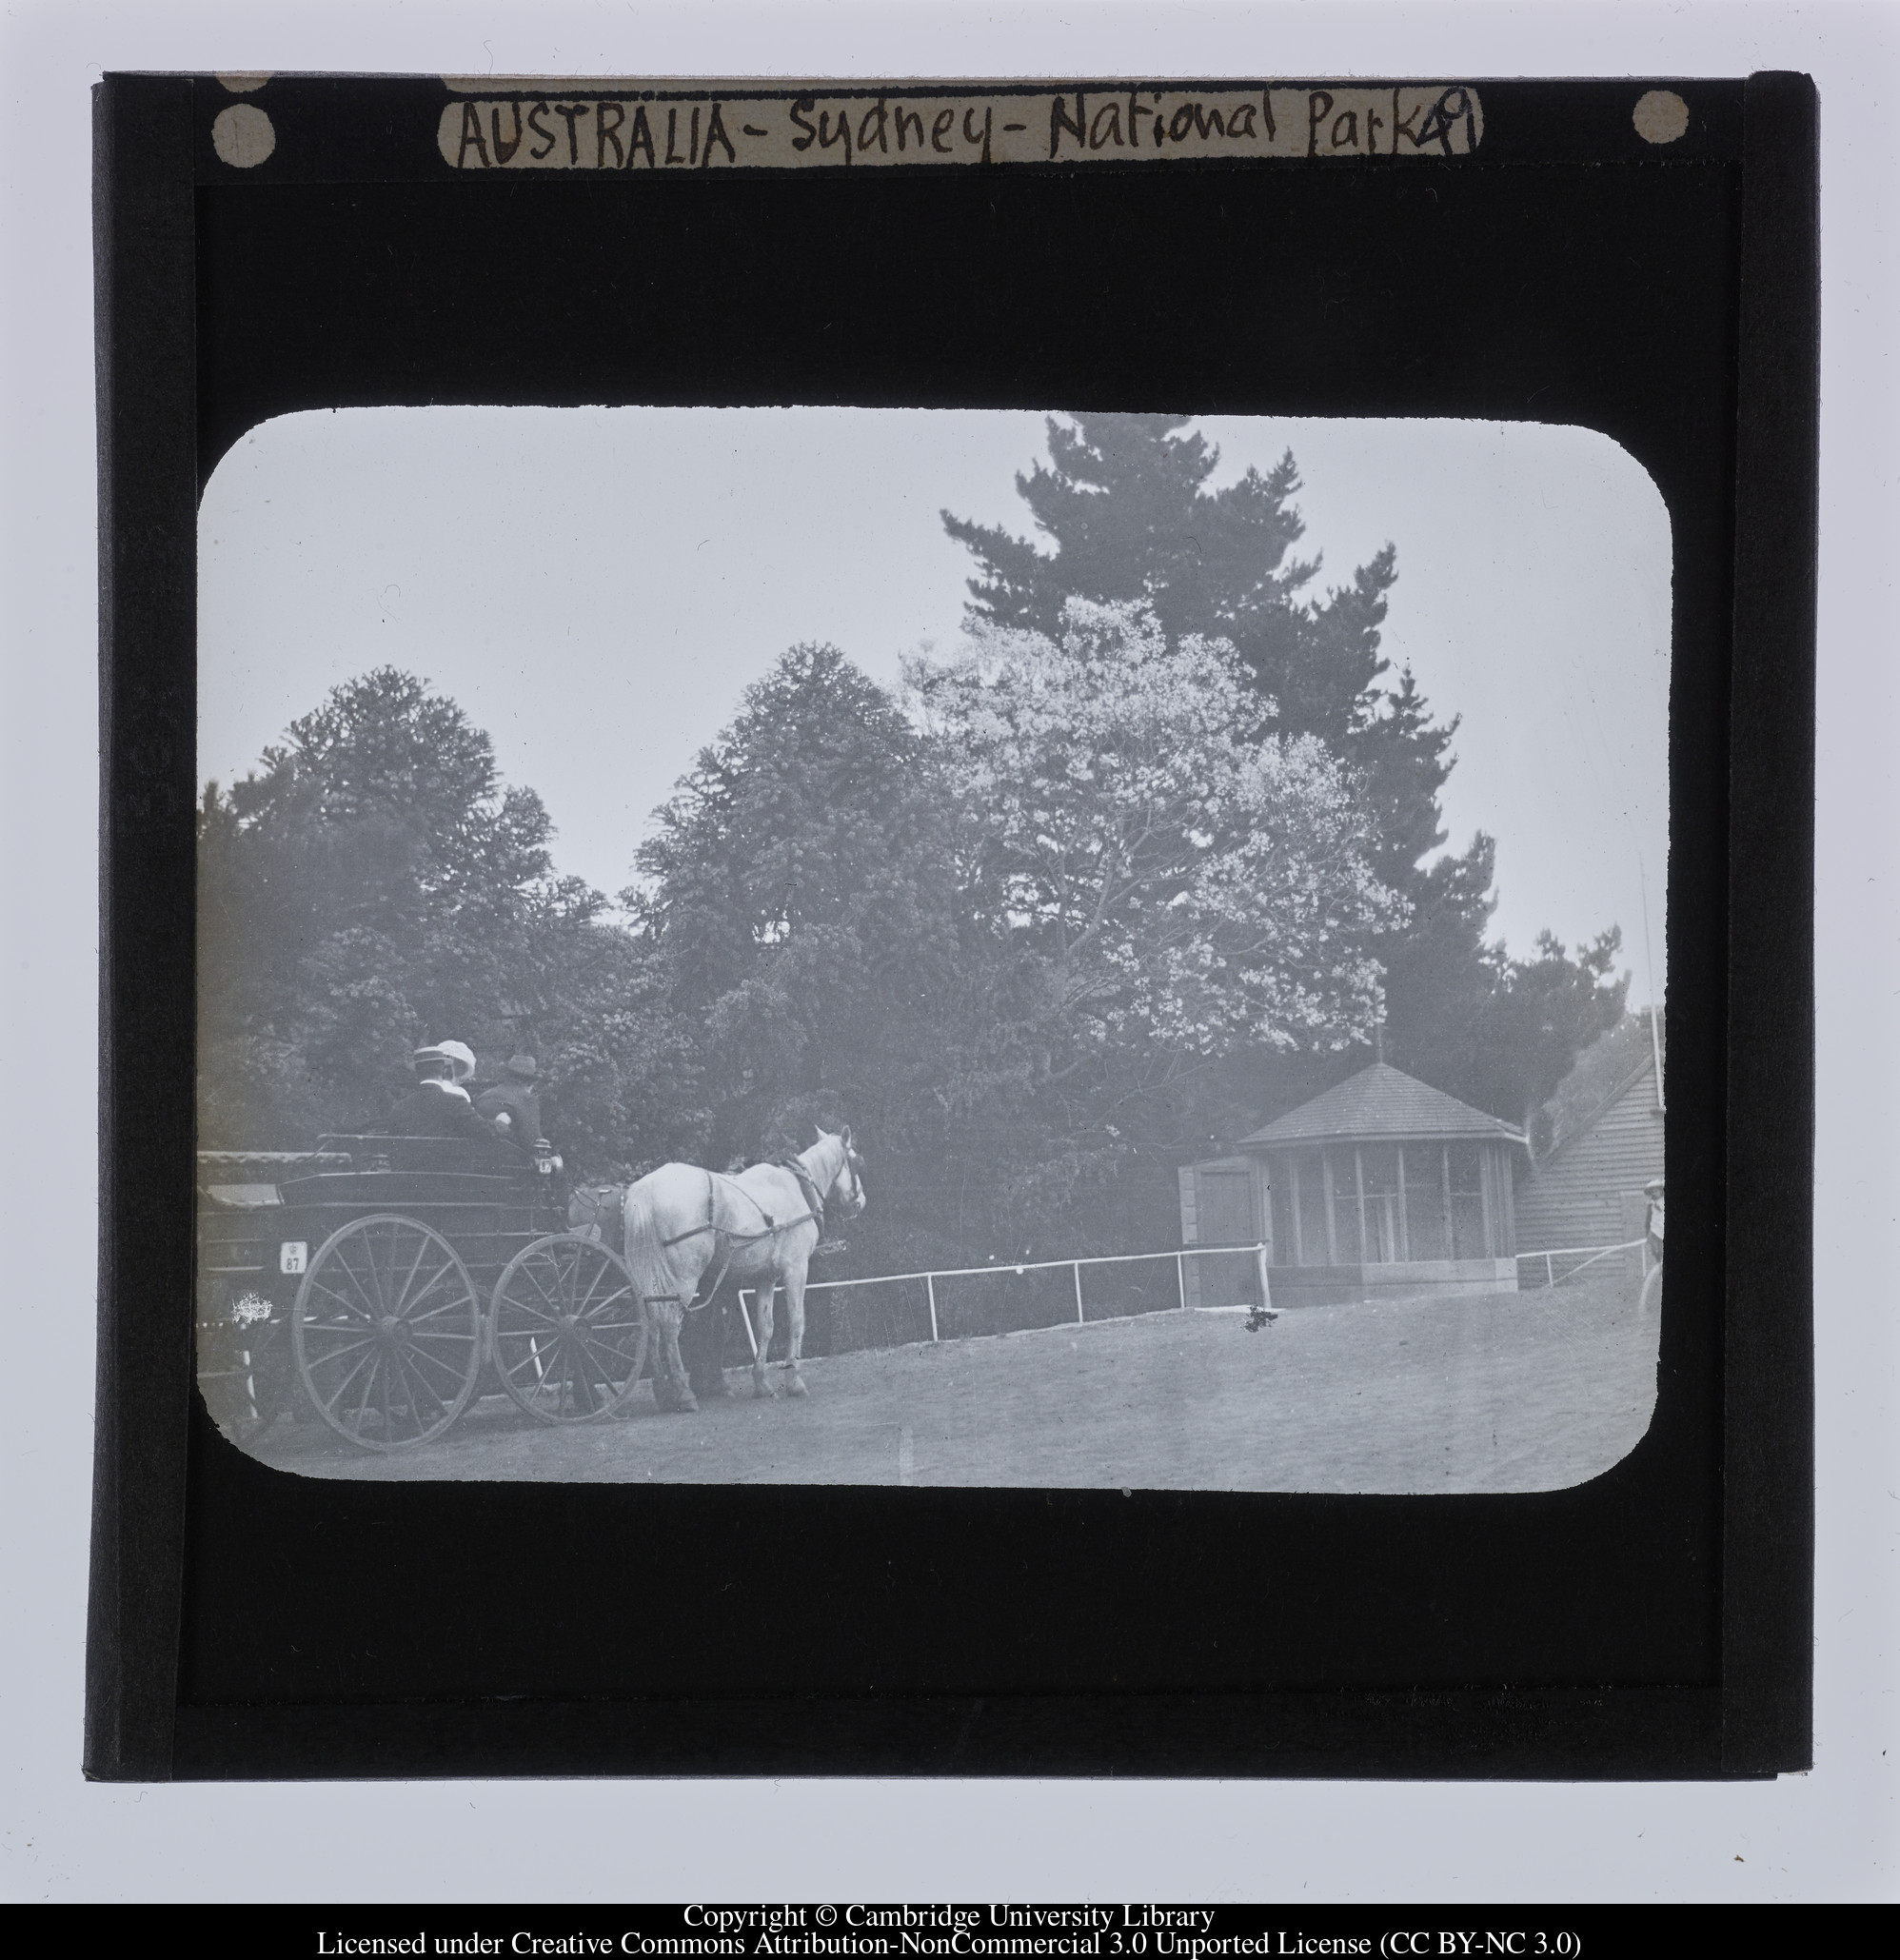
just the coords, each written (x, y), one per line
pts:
(522, 1106)
(431, 1109)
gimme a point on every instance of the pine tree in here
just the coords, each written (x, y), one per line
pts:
(1123, 511)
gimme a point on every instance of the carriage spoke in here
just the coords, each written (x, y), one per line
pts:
(604, 1364)
(368, 1361)
(619, 1294)
(373, 1290)
(368, 1308)
(415, 1265)
(533, 1312)
(581, 1385)
(532, 1360)
(407, 1305)
(601, 1270)
(420, 1354)
(388, 1411)
(418, 1388)
(335, 1350)
(369, 1383)
(385, 1267)
(554, 1305)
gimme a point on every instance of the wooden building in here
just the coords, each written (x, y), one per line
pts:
(1383, 1186)
(1585, 1187)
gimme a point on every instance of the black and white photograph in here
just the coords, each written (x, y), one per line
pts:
(698, 659)
(922, 947)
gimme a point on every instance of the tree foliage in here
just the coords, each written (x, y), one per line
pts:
(1125, 510)
(1148, 859)
(1188, 888)
(796, 897)
(372, 886)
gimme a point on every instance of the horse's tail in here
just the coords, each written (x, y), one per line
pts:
(649, 1221)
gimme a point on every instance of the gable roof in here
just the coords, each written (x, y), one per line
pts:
(1381, 1103)
(1577, 1105)
(1642, 1074)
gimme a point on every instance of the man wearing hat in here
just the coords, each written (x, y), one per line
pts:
(438, 1105)
(512, 1107)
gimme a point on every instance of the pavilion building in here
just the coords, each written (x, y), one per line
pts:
(1380, 1187)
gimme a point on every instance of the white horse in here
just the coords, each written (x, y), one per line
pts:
(759, 1227)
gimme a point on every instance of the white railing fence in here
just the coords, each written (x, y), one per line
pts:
(945, 1304)
(1587, 1255)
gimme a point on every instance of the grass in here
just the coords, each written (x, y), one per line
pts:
(1528, 1392)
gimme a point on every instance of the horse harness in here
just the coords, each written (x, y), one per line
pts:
(726, 1241)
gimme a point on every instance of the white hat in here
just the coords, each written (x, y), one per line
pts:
(461, 1059)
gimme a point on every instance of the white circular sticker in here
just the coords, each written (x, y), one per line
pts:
(1660, 116)
(243, 136)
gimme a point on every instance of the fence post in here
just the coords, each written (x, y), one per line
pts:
(1550, 1273)
(1260, 1262)
(1180, 1277)
(1076, 1269)
(930, 1288)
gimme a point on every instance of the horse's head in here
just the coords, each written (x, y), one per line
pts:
(844, 1195)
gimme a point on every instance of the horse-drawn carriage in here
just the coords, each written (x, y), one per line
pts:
(395, 1280)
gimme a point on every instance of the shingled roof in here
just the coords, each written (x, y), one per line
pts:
(1381, 1104)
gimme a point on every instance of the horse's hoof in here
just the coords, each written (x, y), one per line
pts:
(763, 1390)
(688, 1405)
(796, 1386)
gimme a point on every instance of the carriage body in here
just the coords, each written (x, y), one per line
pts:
(388, 1281)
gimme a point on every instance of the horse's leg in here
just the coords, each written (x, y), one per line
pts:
(668, 1369)
(666, 1397)
(763, 1335)
(795, 1327)
(700, 1345)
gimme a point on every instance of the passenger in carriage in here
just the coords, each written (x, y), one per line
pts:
(512, 1107)
(438, 1105)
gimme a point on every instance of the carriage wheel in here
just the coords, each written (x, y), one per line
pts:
(387, 1333)
(568, 1328)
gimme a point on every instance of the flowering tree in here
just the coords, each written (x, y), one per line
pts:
(1182, 888)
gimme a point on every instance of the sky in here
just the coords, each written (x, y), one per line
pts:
(596, 587)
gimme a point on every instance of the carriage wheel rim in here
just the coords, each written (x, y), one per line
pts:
(392, 1335)
(569, 1352)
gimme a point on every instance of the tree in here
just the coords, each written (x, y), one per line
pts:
(1543, 1012)
(798, 897)
(1124, 512)
(374, 884)
(1157, 892)
(1187, 888)
(1125, 505)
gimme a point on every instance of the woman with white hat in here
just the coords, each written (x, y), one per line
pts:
(438, 1105)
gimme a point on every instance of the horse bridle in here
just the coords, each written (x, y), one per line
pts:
(852, 1165)
(808, 1184)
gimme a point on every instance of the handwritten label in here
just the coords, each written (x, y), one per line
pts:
(626, 126)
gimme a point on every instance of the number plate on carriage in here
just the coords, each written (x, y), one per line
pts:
(293, 1256)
